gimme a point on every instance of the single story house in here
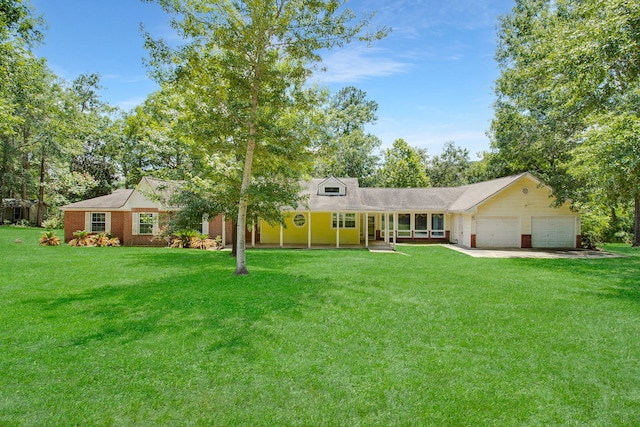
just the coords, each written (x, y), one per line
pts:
(14, 210)
(135, 216)
(509, 212)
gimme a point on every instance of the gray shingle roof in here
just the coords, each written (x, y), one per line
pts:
(451, 199)
(433, 199)
(115, 200)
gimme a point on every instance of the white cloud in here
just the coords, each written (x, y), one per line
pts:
(352, 65)
(110, 76)
(432, 136)
(129, 104)
(135, 79)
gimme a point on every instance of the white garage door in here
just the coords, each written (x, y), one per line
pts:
(498, 232)
(553, 232)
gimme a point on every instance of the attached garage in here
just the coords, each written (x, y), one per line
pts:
(553, 231)
(498, 232)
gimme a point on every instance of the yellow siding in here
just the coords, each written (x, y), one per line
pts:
(292, 234)
(268, 233)
(321, 231)
(323, 234)
(512, 201)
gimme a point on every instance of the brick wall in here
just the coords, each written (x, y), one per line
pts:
(73, 221)
(215, 229)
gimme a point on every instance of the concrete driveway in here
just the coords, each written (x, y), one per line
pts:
(533, 253)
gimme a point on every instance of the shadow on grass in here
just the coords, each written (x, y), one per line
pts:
(192, 296)
(605, 278)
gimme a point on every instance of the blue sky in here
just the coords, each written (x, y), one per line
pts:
(432, 77)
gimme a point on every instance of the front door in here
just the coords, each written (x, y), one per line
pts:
(371, 227)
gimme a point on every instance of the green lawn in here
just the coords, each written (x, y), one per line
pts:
(156, 336)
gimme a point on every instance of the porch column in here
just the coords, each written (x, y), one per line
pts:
(253, 235)
(395, 229)
(338, 230)
(386, 228)
(366, 229)
(309, 229)
(281, 236)
(224, 231)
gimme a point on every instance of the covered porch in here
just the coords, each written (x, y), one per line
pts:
(346, 229)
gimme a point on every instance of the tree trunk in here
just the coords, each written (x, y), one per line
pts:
(241, 260)
(636, 221)
(4, 167)
(40, 215)
(234, 245)
(23, 192)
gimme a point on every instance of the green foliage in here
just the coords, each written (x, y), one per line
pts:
(18, 24)
(568, 96)
(149, 138)
(404, 166)
(183, 238)
(54, 221)
(349, 151)
(451, 168)
(594, 229)
(241, 76)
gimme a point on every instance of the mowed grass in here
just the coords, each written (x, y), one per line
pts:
(157, 336)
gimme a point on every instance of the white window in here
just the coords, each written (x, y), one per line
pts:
(421, 225)
(383, 227)
(145, 223)
(404, 225)
(332, 187)
(437, 225)
(97, 222)
(346, 220)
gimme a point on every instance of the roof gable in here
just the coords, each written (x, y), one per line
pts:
(332, 187)
(476, 194)
(154, 192)
(113, 201)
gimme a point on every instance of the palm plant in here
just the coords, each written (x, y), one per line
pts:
(183, 238)
(101, 239)
(83, 238)
(201, 241)
(113, 240)
(49, 238)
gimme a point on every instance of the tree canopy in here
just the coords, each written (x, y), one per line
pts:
(244, 65)
(566, 104)
(348, 150)
(403, 166)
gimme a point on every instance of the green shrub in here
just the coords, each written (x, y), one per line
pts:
(53, 222)
(594, 229)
